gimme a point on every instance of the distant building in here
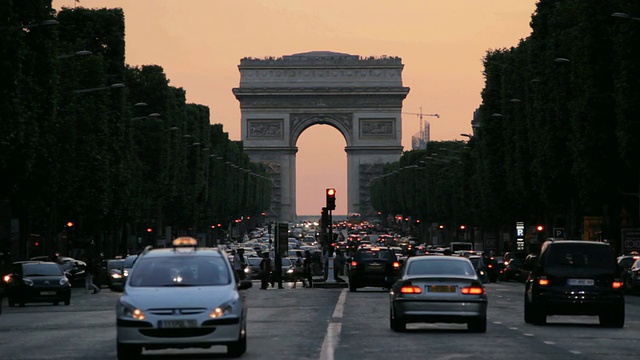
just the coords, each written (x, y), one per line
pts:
(420, 139)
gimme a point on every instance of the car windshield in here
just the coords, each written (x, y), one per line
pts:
(254, 261)
(115, 264)
(430, 266)
(286, 262)
(41, 270)
(180, 271)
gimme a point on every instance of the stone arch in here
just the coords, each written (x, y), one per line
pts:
(360, 97)
(340, 122)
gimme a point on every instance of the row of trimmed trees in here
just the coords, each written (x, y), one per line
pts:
(93, 149)
(556, 139)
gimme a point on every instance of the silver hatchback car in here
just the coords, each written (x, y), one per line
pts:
(181, 297)
(438, 289)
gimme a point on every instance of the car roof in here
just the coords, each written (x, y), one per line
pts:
(164, 252)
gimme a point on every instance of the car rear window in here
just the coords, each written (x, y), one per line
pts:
(376, 255)
(180, 271)
(581, 256)
(439, 267)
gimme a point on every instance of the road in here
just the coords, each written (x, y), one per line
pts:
(327, 324)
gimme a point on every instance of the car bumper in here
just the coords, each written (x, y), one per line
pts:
(578, 303)
(33, 295)
(440, 311)
(381, 280)
(211, 332)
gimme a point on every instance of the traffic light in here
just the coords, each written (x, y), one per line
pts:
(539, 228)
(324, 219)
(331, 199)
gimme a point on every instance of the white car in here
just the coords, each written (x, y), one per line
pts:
(181, 297)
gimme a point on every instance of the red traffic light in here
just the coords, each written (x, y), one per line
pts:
(462, 227)
(149, 230)
(331, 199)
(539, 227)
(36, 244)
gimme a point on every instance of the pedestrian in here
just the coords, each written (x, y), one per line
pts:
(298, 269)
(338, 263)
(239, 264)
(308, 268)
(90, 272)
(265, 271)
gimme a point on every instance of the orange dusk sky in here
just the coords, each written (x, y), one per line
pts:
(199, 43)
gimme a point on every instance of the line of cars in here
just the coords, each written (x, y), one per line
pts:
(566, 278)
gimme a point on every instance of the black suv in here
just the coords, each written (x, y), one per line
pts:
(574, 277)
(373, 266)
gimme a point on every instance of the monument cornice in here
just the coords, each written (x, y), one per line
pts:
(320, 90)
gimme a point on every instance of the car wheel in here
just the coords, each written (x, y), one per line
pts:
(613, 318)
(237, 348)
(67, 301)
(396, 324)
(126, 352)
(478, 325)
(533, 313)
(352, 286)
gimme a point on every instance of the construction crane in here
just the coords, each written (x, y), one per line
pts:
(422, 128)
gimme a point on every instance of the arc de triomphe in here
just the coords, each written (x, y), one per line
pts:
(360, 97)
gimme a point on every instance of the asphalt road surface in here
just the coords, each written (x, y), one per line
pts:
(327, 324)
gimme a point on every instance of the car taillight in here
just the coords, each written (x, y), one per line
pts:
(490, 266)
(410, 289)
(617, 284)
(354, 263)
(396, 265)
(543, 281)
(472, 290)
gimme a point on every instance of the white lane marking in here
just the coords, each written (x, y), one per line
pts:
(497, 322)
(576, 352)
(527, 334)
(513, 328)
(333, 330)
(549, 342)
(330, 341)
(337, 312)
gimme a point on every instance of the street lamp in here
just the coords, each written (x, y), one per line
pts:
(625, 16)
(112, 86)
(41, 23)
(77, 53)
(467, 135)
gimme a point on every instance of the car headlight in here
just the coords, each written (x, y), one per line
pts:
(126, 273)
(129, 311)
(28, 282)
(116, 276)
(290, 271)
(221, 311)
(247, 270)
(64, 281)
(481, 272)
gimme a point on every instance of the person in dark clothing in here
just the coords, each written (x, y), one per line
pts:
(308, 270)
(265, 270)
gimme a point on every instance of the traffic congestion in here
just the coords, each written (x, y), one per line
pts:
(188, 296)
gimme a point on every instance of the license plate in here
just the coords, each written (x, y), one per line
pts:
(580, 282)
(47, 293)
(177, 324)
(442, 289)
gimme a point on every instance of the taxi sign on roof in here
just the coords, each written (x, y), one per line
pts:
(185, 241)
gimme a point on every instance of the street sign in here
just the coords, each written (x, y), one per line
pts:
(558, 233)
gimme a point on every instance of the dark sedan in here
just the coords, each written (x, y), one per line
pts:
(37, 282)
(110, 273)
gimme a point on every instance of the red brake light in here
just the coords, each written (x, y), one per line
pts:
(354, 263)
(472, 290)
(617, 284)
(396, 265)
(543, 281)
(490, 266)
(410, 289)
